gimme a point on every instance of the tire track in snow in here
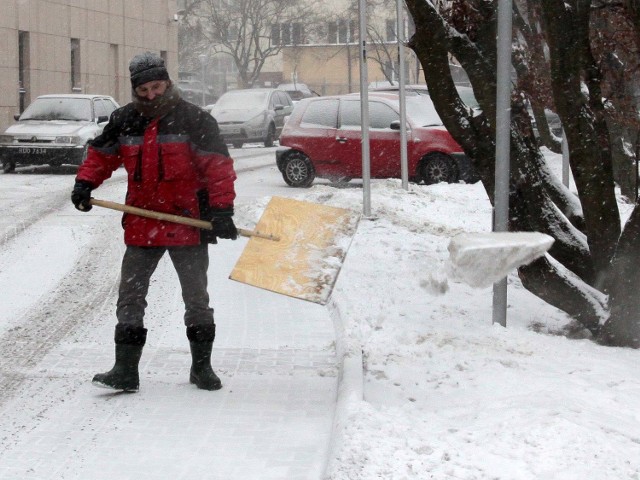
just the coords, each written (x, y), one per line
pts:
(50, 204)
(90, 281)
(74, 298)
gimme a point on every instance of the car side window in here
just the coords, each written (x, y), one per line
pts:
(275, 100)
(99, 108)
(323, 113)
(381, 115)
(350, 114)
(109, 105)
(286, 100)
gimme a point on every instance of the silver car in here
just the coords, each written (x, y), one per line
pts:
(252, 115)
(54, 130)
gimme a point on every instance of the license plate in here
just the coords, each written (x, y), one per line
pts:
(32, 150)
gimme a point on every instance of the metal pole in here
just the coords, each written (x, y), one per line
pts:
(404, 168)
(203, 59)
(503, 152)
(364, 112)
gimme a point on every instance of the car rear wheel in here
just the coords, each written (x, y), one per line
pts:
(271, 135)
(437, 168)
(237, 144)
(298, 170)
(8, 167)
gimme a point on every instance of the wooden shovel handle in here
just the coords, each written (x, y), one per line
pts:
(192, 222)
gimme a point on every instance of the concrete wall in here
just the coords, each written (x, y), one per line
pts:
(110, 33)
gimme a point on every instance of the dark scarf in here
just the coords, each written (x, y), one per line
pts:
(160, 105)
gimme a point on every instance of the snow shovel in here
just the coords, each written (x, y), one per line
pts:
(192, 222)
(300, 258)
(305, 263)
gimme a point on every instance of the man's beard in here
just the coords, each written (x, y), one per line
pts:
(160, 105)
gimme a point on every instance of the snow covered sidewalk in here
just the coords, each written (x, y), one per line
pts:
(275, 355)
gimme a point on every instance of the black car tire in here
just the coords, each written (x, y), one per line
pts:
(298, 170)
(438, 167)
(8, 166)
(237, 144)
(271, 135)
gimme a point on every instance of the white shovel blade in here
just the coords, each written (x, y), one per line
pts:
(481, 259)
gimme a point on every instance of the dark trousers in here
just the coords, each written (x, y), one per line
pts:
(139, 263)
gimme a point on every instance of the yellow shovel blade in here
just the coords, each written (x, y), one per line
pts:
(305, 263)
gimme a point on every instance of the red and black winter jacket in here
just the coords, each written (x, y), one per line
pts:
(170, 162)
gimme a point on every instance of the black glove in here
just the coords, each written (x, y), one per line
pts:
(222, 223)
(81, 195)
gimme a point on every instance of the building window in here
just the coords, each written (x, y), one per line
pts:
(287, 34)
(275, 34)
(389, 70)
(296, 34)
(341, 31)
(391, 31)
(23, 69)
(75, 65)
(114, 61)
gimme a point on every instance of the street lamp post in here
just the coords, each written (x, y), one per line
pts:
(203, 61)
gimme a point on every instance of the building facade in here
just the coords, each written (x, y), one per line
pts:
(79, 46)
(308, 42)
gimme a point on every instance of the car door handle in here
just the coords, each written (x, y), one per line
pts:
(341, 139)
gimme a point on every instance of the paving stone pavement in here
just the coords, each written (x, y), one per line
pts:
(272, 420)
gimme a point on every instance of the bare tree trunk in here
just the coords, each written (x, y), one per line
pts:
(623, 326)
(583, 117)
(566, 292)
(590, 258)
(531, 207)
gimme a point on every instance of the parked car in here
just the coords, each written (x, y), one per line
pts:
(322, 138)
(466, 93)
(191, 91)
(298, 91)
(54, 130)
(252, 115)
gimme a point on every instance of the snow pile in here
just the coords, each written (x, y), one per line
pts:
(481, 259)
(446, 393)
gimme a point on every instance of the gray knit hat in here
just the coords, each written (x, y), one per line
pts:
(147, 67)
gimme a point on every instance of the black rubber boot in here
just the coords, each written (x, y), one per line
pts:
(201, 341)
(124, 374)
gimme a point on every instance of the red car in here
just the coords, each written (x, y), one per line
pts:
(322, 138)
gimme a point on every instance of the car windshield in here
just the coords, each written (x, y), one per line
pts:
(56, 108)
(242, 99)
